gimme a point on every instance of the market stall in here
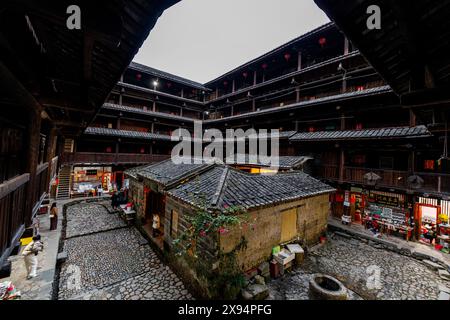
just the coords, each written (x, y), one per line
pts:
(388, 213)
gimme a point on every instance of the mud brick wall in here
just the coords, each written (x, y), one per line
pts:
(312, 218)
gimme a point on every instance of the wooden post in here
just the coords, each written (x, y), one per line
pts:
(346, 46)
(297, 98)
(233, 86)
(118, 123)
(341, 166)
(342, 122)
(254, 105)
(182, 92)
(299, 65)
(34, 129)
(412, 118)
(255, 78)
(51, 151)
(154, 105)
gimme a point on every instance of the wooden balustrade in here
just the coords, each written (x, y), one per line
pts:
(111, 158)
(433, 182)
(13, 198)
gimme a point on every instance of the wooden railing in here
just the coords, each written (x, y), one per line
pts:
(13, 198)
(432, 182)
(111, 158)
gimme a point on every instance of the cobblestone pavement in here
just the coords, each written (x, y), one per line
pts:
(86, 218)
(360, 266)
(114, 264)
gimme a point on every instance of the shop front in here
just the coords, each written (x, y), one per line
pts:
(92, 181)
(433, 220)
(389, 213)
(349, 204)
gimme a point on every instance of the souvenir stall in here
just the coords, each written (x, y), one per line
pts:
(86, 180)
(388, 213)
(433, 215)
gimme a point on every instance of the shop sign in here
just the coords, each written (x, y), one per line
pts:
(347, 199)
(356, 190)
(385, 200)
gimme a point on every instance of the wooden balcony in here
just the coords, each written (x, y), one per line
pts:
(13, 199)
(111, 158)
(432, 182)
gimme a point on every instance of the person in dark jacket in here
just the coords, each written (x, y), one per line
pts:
(53, 217)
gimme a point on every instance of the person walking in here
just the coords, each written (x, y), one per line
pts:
(53, 217)
(30, 253)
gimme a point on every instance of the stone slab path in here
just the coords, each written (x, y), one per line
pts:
(108, 261)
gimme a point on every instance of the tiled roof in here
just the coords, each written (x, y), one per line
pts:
(384, 133)
(117, 107)
(222, 187)
(126, 134)
(284, 162)
(167, 172)
(167, 76)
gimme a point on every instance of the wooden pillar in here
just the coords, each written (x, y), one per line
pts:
(346, 46)
(34, 129)
(118, 123)
(342, 166)
(297, 92)
(152, 128)
(51, 150)
(154, 105)
(232, 110)
(182, 92)
(233, 86)
(181, 111)
(412, 118)
(255, 78)
(343, 122)
(299, 65)
(254, 105)
(217, 92)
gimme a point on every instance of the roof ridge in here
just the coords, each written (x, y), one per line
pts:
(220, 187)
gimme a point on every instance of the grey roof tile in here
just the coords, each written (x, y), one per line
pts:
(399, 132)
(246, 190)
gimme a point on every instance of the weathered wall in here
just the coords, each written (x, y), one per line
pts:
(262, 233)
(136, 194)
(312, 217)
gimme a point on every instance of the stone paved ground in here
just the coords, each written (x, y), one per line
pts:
(86, 218)
(113, 264)
(356, 264)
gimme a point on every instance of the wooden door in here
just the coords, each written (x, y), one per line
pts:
(288, 225)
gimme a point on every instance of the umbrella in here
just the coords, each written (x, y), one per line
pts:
(415, 181)
(372, 177)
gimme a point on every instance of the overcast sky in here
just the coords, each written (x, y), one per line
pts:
(203, 39)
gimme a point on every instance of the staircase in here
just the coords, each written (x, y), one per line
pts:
(64, 183)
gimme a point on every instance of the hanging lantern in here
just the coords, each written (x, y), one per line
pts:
(225, 83)
(245, 74)
(287, 56)
(322, 42)
(142, 150)
(264, 66)
(169, 85)
(138, 77)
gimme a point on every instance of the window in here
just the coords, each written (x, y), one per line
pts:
(174, 224)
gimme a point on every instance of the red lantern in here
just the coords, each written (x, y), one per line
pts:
(108, 149)
(142, 150)
(322, 42)
(245, 74)
(225, 83)
(312, 129)
(138, 77)
(287, 56)
(264, 66)
(169, 85)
